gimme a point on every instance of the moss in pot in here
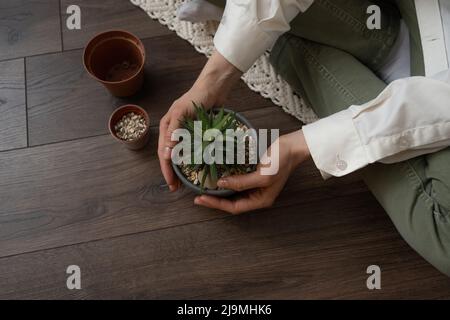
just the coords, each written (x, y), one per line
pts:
(202, 176)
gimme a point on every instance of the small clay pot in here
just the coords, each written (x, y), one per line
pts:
(142, 141)
(116, 59)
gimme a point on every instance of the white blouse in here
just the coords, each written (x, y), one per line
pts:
(409, 118)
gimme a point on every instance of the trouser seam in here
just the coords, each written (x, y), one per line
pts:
(362, 29)
(278, 49)
(326, 74)
(349, 19)
(420, 185)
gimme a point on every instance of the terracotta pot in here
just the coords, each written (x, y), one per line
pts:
(142, 141)
(116, 59)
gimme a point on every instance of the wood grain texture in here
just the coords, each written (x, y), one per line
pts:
(64, 103)
(98, 16)
(93, 188)
(29, 27)
(78, 197)
(319, 249)
(13, 123)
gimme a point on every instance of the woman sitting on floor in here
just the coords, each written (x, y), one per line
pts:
(383, 96)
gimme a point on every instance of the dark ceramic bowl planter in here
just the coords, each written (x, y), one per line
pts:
(116, 59)
(117, 115)
(214, 192)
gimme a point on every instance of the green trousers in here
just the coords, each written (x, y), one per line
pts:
(331, 59)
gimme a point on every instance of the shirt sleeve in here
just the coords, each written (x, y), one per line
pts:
(248, 28)
(411, 117)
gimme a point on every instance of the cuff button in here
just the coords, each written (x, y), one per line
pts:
(341, 164)
(403, 142)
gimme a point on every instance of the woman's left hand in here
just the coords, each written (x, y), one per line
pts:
(260, 190)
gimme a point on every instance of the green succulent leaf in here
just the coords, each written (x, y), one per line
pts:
(205, 175)
(222, 121)
(213, 172)
(218, 118)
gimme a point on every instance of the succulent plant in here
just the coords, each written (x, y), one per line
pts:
(222, 121)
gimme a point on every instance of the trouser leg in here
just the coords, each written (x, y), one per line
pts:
(416, 196)
(414, 193)
(329, 79)
(219, 3)
(342, 24)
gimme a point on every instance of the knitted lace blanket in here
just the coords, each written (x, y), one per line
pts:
(261, 77)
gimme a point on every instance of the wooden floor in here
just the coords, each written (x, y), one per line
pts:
(70, 195)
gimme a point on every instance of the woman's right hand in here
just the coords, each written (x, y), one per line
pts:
(210, 89)
(181, 108)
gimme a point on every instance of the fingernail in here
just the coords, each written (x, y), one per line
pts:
(172, 188)
(197, 200)
(167, 153)
(222, 182)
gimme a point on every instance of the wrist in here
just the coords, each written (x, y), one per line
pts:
(218, 77)
(298, 148)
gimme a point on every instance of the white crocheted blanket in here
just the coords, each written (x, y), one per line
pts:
(261, 78)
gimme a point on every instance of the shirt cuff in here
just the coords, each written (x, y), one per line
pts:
(239, 39)
(335, 145)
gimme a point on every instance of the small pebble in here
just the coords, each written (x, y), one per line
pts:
(131, 127)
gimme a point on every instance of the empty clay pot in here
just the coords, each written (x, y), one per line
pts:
(118, 114)
(116, 59)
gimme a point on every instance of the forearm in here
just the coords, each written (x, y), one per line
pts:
(248, 28)
(295, 143)
(408, 119)
(218, 78)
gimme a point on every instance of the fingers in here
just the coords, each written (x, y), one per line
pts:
(172, 125)
(164, 154)
(235, 207)
(244, 182)
(163, 125)
(169, 175)
(232, 206)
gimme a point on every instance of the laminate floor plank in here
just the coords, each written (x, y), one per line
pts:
(99, 16)
(64, 103)
(29, 27)
(93, 188)
(319, 249)
(13, 122)
(77, 197)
